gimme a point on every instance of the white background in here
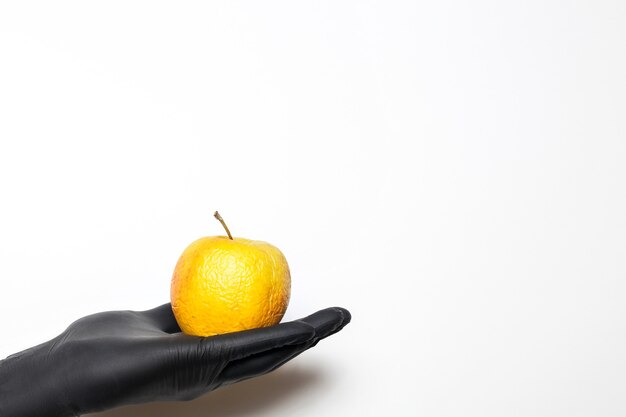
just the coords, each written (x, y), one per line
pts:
(452, 172)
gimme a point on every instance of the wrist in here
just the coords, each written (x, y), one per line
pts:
(28, 389)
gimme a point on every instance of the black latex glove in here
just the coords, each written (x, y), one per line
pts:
(117, 358)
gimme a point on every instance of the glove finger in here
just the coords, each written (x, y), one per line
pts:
(260, 364)
(162, 318)
(327, 322)
(238, 345)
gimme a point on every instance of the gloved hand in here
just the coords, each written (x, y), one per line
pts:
(117, 358)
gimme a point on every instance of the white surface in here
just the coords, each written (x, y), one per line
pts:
(452, 172)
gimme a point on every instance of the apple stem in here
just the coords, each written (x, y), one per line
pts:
(218, 217)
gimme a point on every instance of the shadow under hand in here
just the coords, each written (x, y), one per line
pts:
(252, 397)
